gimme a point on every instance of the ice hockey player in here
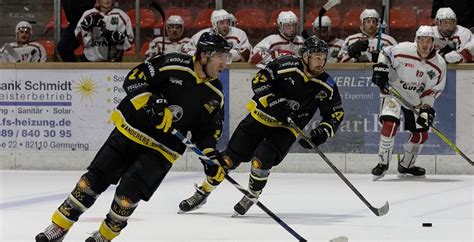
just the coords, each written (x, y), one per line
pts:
(325, 33)
(222, 24)
(174, 40)
(450, 37)
(289, 86)
(23, 49)
(286, 42)
(418, 73)
(361, 47)
(170, 91)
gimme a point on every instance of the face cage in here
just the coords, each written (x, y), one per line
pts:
(226, 56)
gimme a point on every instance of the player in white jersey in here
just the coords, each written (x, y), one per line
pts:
(324, 32)
(362, 47)
(286, 42)
(174, 40)
(222, 24)
(467, 52)
(418, 73)
(106, 32)
(23, 49)
(450, 37)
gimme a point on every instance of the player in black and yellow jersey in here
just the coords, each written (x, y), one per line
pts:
(172, 90)
(288, 86)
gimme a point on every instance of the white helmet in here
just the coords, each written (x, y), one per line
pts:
(325, 22)
(445, 13)
(233, 20)
(23, 24)
(425, 30)
(219, 15)
(175, 19)
(287, 17)
(368, 13)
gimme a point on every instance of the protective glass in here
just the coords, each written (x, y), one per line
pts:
(221, 56)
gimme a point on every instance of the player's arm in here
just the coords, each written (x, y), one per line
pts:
(241, 51)
(261, 52)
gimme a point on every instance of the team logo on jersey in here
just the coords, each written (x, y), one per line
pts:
(410, 86)
(177, 112)
(176, 81)
(321, 95)
(409, 65)
(291, 80)
(431, 74)
(114, 20)
(294, 105)
(211, 105)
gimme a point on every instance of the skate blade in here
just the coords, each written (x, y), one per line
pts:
(235, 215)
(340, 239)
(181, 211)
(375, 178)
(409, 176)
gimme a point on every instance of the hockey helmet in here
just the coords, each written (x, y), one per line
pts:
(22, 25)
(219, 15)
(314, 45)
(425, 30)
(175, 20)
(211, 42)
(287, 17)
(445, 13)
(325, 22)
(368, 13)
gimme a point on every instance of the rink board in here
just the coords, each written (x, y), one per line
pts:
(59, 118)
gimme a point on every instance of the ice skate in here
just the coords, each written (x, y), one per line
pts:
(97, 237)
(244, 205)
(379, 171)
(53, 233)
(412, 172)
(196, 201)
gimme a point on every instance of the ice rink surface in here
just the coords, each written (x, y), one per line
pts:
(319, 207)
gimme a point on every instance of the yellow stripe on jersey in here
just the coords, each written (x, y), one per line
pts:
(324, 85)
(140, 100)
(263, 100)
(141, 138)
(266, 119)
(216, 90)
(293, 69)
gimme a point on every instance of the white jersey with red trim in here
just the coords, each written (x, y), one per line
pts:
(458, 39)
(29, 52)
(366, 56)
(156, 46)
(419, 81)
(335, 46)
(273, 46)
(96, 48)
(241, 47)
(467, 52)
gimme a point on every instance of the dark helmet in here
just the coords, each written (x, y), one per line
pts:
(209, 42)
(312, 45)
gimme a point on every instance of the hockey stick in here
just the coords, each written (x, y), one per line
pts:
(377, 211)
(326, 7)
(158, 8)
(395, 93)
(206, 159)
(381, 29)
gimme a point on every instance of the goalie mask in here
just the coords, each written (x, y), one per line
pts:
(287, 24)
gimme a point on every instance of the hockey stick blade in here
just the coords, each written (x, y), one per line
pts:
(340, 239)
(396, 94)
(327, 6)
(377, 211)
(206, 159)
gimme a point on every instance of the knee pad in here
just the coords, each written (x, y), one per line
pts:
(96, 182)
(389, 126)
(268, 155)
(419, 137)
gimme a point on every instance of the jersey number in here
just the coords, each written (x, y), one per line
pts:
(259, 78)
(133, 76)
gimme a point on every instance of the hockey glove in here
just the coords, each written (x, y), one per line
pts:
(221, 163)
(318, 135)
(447, 48)
(158, 112)
(93, 20)
(453, 57)
(426, 117)
(380, 75)
(356, 49)
(113, 37)
(278, 108)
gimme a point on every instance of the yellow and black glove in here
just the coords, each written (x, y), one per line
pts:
(158, 112)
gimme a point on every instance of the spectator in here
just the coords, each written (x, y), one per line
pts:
(222, 24)
(464, 10)
(23, 49)
(174, 41)
(324, 32)
(362, 47)
(450, 37)
(68, 42)
(284, 43)
(106, 32)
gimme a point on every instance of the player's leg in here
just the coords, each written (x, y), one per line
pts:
(269, 153)
(139, 182)
(419, 135)
(240, 148)
(104, 170)
(390, 119)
